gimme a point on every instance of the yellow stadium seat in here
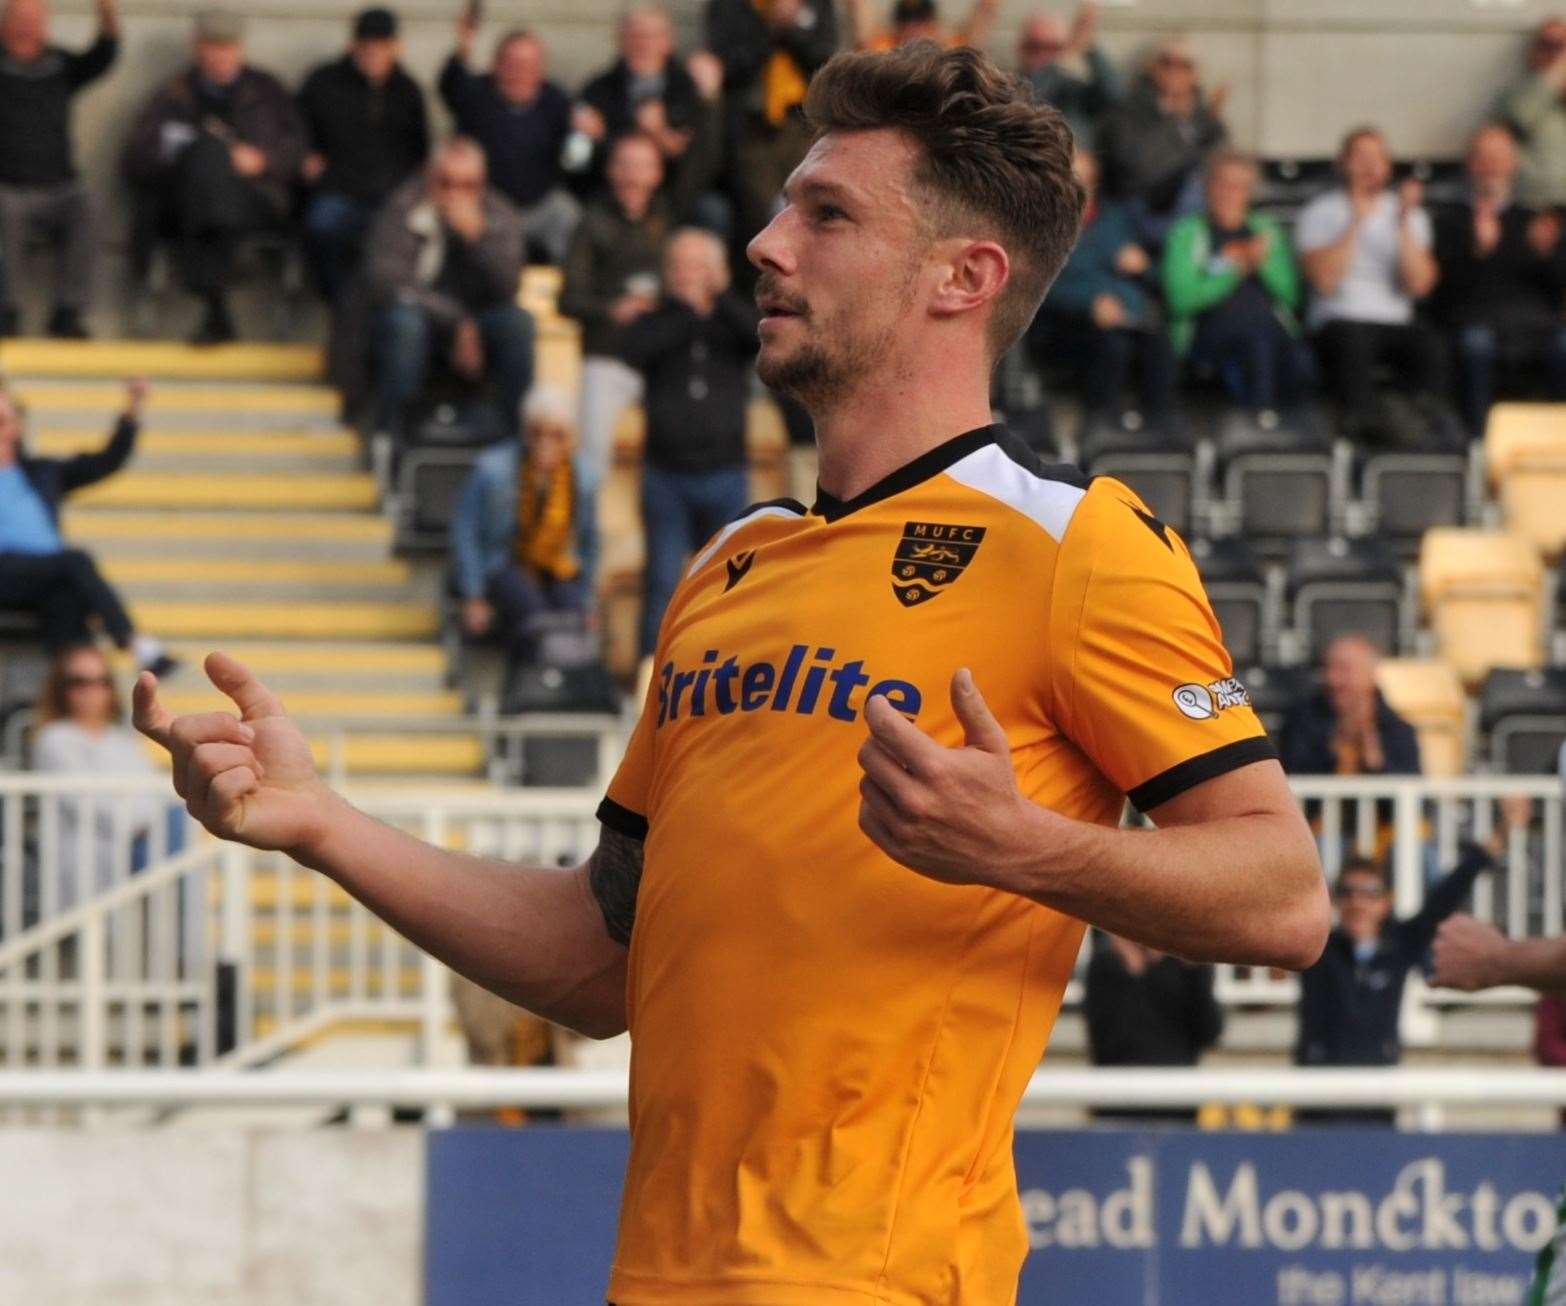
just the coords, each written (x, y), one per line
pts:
(1427, 693)
(620, 523)
(1525, 451)
(1515, 432)
(559, 355)
(1484, 593)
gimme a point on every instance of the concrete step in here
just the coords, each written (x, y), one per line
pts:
(215, 451)
(317, 621)
(317, 705)
(286, 492)
(306, 665)
(245, 407)
(252, 535)
(244, 573)
(161, 360)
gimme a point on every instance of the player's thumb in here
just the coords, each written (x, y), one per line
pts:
(235, 679)
(980, 729)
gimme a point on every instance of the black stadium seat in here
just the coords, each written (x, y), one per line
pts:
(1172, 481)
(1523, 712)
(1239, 595)
(1280, 483)
(1409, 492)
(429, 483)
(1343, 587)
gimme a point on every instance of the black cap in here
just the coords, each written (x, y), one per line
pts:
(375, 25)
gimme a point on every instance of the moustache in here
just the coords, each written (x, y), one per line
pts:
(768, 291)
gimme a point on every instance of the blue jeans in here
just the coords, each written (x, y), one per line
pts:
(681, 511)
(334, 227)
(407, 338)
(1260, 363)
(520, 595)
(1481, 349)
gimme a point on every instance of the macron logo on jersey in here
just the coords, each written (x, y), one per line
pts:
(804, 683)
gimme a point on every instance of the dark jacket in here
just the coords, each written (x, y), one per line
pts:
(1349, 1008)
(744, 41)
(607, 249)
(54, 478)
(522, 142)
(1090, 270)
(1083, 101)
(1305, 743)
(35, 110)
(264, 115)
(610, 94)
(1149, 154)
(406, 255)
(1166, 1016)
(697, 372)
(373, 137)
(1510, 287)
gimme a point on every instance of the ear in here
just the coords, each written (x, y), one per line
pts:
(973, 273)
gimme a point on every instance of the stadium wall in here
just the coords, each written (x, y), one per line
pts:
(211, 1215)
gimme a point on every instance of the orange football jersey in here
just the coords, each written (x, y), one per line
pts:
(828, 1048)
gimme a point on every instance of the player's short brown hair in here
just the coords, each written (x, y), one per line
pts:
(992, 162)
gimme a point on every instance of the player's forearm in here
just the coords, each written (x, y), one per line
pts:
(1245, 889)
(533, 935)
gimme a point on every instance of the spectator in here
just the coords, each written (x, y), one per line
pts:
(214, 157)
(769, 50)
(1350, 999)
(1232, 288)
(513, 533)
(1503, 280)
(1536, 110)
(1146, 1008)
(79, 729)
(646, 90)
(1045, 47)
(522, 120)
(1367, 254)
(37, 571)
(444, 268)
(1099, 317)
(368, 134)
(40, 192)
(695, 354)
(1346, 727)
(1154, 145)
(920, 20)
(1549, 1034)
(611, 278)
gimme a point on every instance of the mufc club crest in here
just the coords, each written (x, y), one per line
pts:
(929, 557)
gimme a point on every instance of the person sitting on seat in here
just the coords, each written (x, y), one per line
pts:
(1347, 727)
(37, 571)
(444, 267)
(214, 158)
(514, 532)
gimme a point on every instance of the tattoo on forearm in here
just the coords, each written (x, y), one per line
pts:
(615, 873)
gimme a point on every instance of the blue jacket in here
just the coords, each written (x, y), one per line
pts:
(54, 478)
(484, 527)
(1090, 271)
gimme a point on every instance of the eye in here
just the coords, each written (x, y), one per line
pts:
(829, 213)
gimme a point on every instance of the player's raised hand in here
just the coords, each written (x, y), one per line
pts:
(1466, 954)
(953, 814)
(248, 778)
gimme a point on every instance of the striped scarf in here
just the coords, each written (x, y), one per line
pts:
(546, 521)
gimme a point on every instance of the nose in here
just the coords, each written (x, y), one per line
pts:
(769, 248)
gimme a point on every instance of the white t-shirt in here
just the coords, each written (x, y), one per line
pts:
(1371, 289)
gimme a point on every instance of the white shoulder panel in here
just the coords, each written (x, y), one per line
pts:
(1048, 502)
(766, 510)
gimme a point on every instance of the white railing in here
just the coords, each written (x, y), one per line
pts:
(443, 1091)
(223, 955)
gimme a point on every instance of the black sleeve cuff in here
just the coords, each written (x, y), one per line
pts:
(622, 820)
(1195, 770)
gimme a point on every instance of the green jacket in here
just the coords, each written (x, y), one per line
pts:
(1195, 280)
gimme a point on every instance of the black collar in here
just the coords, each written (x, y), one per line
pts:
(930, 463)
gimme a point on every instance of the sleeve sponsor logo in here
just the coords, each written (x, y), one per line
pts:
(1205, 702)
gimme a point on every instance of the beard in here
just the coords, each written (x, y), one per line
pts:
(833, 358)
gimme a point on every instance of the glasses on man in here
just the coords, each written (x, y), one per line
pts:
(88, 682)
(1042, 47)
(458, 183)
(1370, 891)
